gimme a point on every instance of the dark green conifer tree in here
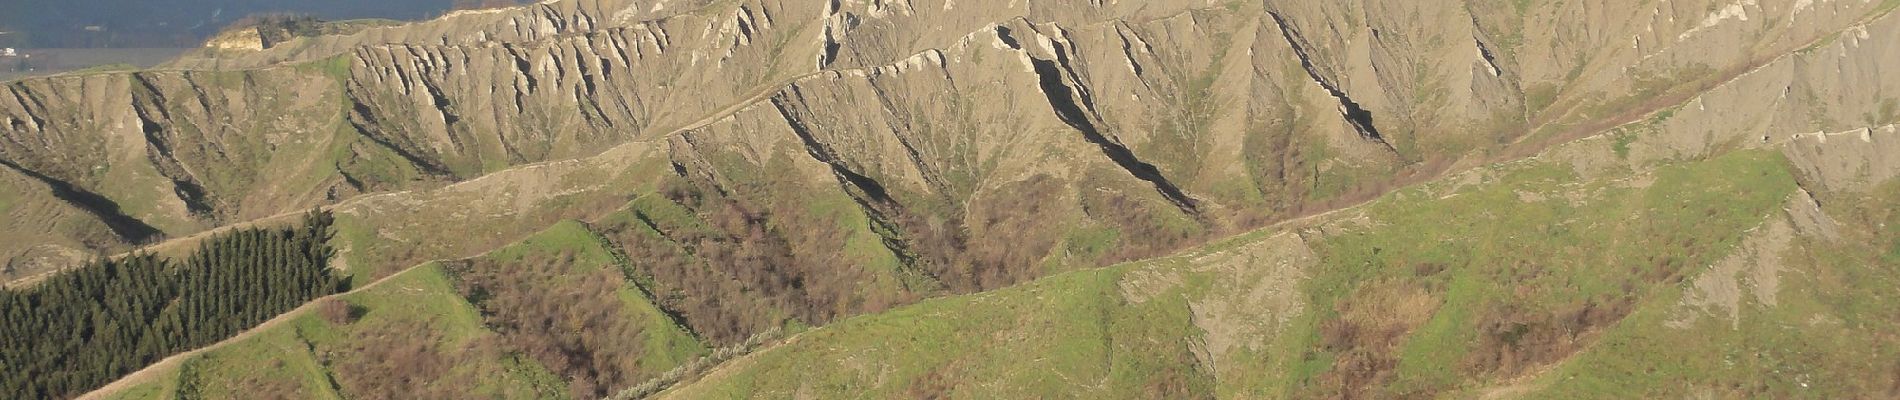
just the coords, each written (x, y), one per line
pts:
(84, 327)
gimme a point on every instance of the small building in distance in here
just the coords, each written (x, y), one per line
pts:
(9, 52)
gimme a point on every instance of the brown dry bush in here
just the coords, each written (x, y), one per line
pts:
(1514, 339)
(750, 268)
(1366, 334)
(756, 263)
(402, 360)
(936, 384)
(1016, 234)
(339, 311)
(576, 325)
(724, 283)
(1276, 161)
(1143, 236)
(264, 388)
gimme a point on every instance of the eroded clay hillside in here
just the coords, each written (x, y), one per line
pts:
(1164, 120)
(758, 162)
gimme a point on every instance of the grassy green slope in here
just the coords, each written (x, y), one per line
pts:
(417, 334)
(418, 310)
(1826, 333)
(1068, 335)
(1525, 279)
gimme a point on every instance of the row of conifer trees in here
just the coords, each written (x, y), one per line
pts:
(87, 326)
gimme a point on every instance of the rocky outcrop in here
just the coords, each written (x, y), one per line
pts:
(240, 40)
(1852, 161)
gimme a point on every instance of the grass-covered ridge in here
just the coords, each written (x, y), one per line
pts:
(1068, 335)
(1494, 280)
(1524, 279)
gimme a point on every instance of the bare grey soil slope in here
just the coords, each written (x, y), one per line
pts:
(1222, 115)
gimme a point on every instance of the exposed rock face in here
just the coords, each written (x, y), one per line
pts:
(972, 140)
(240, 40)
(1855, 160)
